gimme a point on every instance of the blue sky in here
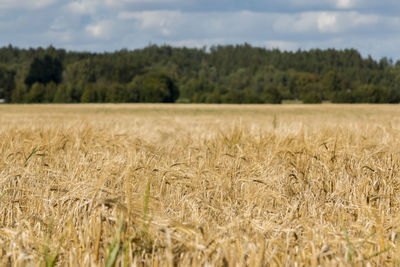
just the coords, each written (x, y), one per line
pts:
(371, 26)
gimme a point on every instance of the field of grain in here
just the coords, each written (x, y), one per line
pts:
(199, 185)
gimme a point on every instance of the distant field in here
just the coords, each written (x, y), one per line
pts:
(195, 185)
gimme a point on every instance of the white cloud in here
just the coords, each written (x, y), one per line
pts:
(344, 4)
(29, 4)
(324, 22)
(100, 30)
(59, 24)
(162, 22)
(151, 19)
(327, 4)
(327, 22)
(296, 23)
(210, 25)
(122, 3)
(83, 7)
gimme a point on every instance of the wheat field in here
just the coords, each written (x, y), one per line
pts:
(199, 185)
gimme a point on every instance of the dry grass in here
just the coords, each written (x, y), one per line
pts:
(162, 185)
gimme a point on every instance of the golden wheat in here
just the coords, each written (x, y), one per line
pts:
(199, 185)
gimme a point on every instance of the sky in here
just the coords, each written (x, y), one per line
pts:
(370, 26)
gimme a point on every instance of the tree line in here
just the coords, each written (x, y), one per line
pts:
(220, 74)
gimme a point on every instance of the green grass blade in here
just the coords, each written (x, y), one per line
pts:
(3, 194)
(114, 248)
(146, 208)
(113, 255)
(146, 201)
(378, 253)
(350, 251)
(30, 156)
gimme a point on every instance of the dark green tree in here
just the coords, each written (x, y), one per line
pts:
(36, 93)
(271, 95)
(63, 94)
(44, 70)
(155, 88)
(89, 94)
(231, 73)
(7, 83)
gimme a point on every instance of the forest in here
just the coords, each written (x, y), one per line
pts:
(218, 74)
